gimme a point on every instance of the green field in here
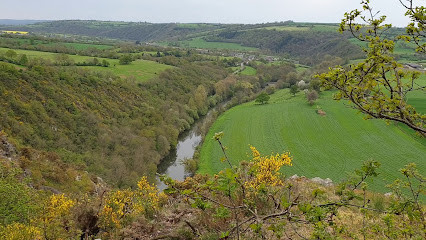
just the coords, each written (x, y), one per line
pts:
(194, 25)
(47, 55)
(77, 46)
(301, 68)
(249, 71)
(200, 43)
(84, 46)
(288, 28)
(141, 70)
(323, 146)
(403, 51)
(305, 27)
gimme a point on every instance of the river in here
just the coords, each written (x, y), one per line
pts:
(172, 165)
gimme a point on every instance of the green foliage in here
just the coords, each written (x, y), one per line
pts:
(201, 43)
(10, 54)
(119, 30)
(262, 98)
(293, 90)
(125, 59)
(100, 119)
(105, 63)
(315, 84)
(23, 60)
(249, 71)
(416, 28)
(142, 70)
(17, 202)
(311, 46)
(378, 86)
(311, 96)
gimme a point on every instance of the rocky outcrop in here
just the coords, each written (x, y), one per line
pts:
(324, 182)
(7, 150)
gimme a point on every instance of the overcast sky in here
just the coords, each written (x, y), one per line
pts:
(188, 11)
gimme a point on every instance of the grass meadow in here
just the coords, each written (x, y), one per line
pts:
(250, 71)
(141, 70)
(305, 27)
(200, 43)
(77, 46)
(322, 146)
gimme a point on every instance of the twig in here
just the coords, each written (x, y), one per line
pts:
(192, 228)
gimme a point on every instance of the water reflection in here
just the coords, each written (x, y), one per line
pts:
(172, 165)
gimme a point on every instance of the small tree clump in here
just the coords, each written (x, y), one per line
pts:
(315, 84)
(125, 59)
(311, 96)
(263, 98)
(105, 63)
(293, 90)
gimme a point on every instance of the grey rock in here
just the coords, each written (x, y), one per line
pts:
(389, 194)
(294, 177)
(7, 150)
(53, 190)
(325, 182)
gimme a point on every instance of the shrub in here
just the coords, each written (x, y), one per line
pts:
(263, 98)
(311, 96)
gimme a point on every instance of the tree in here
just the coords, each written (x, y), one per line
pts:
(23, 60)
(125, 59)
(293, 90)
(105, 63)
(63, 59)
(200, 98)
(315, 84)
(378, 86)
(263, 98)
(10, 54)
(311, 96)
(95, 61)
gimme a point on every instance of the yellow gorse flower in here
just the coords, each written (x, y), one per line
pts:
(19, 231)
(266, 169)
(148, 193)
(57, 206)
(122, 204)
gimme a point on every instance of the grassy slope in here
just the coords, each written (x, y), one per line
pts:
(84, 46)
(142, 70)
(200, 43)
(77, 46)
(305, 27)
(324, 146)
(249, 71)
(403, 51)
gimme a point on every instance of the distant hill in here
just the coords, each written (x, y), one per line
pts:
(136, 31)
(20, 22)
(307, 42)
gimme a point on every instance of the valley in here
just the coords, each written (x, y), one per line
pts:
(275, 130)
